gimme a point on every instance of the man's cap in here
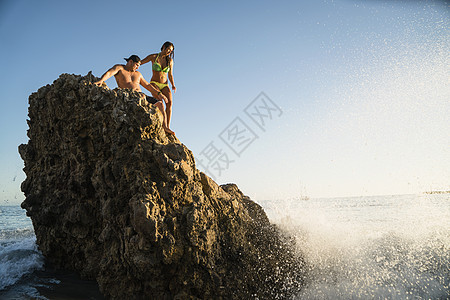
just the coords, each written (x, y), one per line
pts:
(134, 58)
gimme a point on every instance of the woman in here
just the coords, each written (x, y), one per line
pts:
(162, 67)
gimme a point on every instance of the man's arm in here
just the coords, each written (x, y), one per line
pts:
(108, 74)
(155, 92)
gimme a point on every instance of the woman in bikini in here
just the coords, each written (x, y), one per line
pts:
(162, 67)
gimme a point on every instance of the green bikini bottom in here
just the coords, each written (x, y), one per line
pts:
(159, 84)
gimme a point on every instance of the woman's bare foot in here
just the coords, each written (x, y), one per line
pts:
(169, 131)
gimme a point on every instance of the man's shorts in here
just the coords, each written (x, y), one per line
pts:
(151, 100)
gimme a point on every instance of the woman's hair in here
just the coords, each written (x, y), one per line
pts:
(164, 46)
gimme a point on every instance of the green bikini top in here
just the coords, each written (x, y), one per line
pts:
(157, 67)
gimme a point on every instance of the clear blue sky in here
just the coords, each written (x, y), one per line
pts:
(363, 86)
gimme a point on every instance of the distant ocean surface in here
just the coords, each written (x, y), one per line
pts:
(378, 247)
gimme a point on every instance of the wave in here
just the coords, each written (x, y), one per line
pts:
(17, 259)
(388, 267)
(385, 248)
(14, 235)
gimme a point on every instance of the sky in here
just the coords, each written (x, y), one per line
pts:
(286, 99)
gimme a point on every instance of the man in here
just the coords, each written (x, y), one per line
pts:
(127, 77)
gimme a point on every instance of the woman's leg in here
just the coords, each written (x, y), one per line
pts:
(160, 105)
(154, 94)
(166, 92)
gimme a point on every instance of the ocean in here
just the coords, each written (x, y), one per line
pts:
(22, 272)
(377, 247)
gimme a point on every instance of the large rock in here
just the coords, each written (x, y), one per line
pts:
(112, 197)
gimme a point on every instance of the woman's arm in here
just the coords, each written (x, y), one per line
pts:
(150, 57)
(171, 76)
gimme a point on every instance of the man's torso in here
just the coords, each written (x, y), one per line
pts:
(128, 80)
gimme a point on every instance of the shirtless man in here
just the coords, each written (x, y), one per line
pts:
(127, 77)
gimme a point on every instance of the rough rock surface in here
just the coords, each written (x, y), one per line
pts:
(113, 198)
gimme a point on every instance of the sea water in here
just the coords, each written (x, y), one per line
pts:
(379, 247)
(19, 256)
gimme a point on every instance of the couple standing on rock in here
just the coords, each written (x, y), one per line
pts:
(127, 77)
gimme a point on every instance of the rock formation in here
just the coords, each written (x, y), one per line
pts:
(115, 199)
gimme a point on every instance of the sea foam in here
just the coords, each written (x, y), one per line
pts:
(386, 247)
(18, 258)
